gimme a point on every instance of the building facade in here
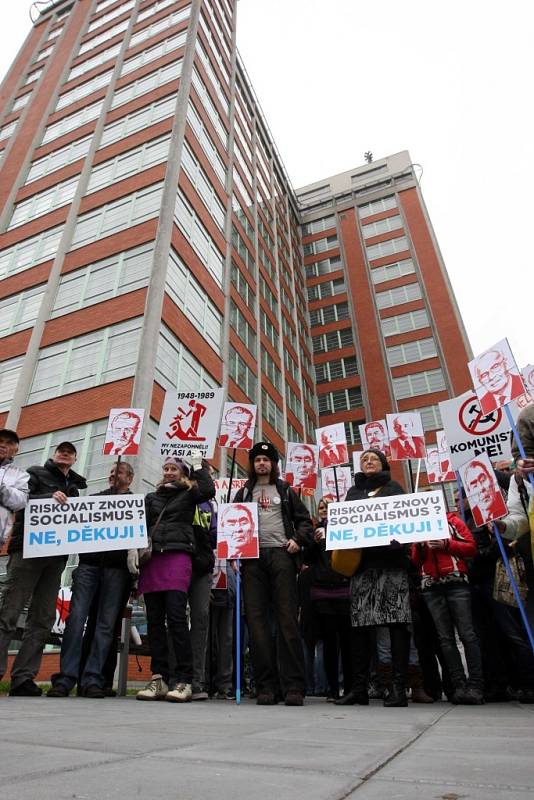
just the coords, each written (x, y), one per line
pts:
(150, 239)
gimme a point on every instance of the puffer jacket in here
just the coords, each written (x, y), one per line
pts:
(177, 501)
(436, 564)
(13, 495)
(43, 482)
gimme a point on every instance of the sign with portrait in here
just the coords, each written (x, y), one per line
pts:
(496, 378)
(238, 531)
(406, 435)
(189, 423)
(124, 431)
(237, 426)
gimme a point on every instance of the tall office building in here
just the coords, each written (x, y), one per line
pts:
(149, 235)
(150, 239)
(387, 334)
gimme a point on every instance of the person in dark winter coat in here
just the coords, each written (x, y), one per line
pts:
(270, 580)
(35, 578)
(379, 592)
(165, 579)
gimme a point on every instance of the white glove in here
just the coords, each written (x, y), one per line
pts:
(196, 462)
(133, 562)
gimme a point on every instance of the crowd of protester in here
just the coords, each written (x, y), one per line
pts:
(423, 622)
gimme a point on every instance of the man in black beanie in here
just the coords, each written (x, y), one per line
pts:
(269, 582)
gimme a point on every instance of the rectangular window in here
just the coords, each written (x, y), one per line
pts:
(206, 142)
(105, 18)
(387, 248)
(267, 327)
(90, 360)
(214, 80)
(268, 296)
(202, 184)
(242, 250)
(161, 25)
(216, 42)
(336, 370)
(59, 158)
(398, 295)
(352, 432)
(411, 351)
(33, 76)
(208, 104)
(44, 53)
(118, 215)
(368, 209)
(199, 238)
(72, 122)
(147, 83)
(324, 266)
(111, 277)
(382, 226)
(288, 332)
(155, 8)
(272, 413)
(43, 202)
(430, 416)
(342, 400)
(176, 366)
(7, 130)
(20, 311)
(335, 340)
(271, 369)
(154, 53)
(390, 271)
(84, 89)
(243, 287)
(22, 101)
(192, 299)
(103, 37)
(405, 322)
(131, 162)
(319, 225)
(9, 375)
(419, 383)
(138, 120)
(242, 328)
(293, 402)
(242, 374)
(95, 61)
(321, 245)
(327, 314)
(30, 252)
(327, 289)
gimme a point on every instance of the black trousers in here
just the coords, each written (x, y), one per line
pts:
(335, 632)
(270, 582)
(169, 607)
(362, 647)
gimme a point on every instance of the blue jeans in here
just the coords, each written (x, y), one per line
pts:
(450, 607)
(87, 581)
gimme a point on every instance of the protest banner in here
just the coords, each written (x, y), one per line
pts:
(301, 470)
(470, 431)
(332, 443)
(328, 483)
(84, 525)
(482, 490)
(374, 436)
(237, 530)
(496, 378)
(189, 423)
(223, 484)
(379, 520)
(237, 426)
(124, 431)
(406, 435)
(438, 466)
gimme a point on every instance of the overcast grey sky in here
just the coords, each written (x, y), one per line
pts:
(451, 83)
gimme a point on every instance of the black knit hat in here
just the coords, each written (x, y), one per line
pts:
(264, 449)
(381, 456)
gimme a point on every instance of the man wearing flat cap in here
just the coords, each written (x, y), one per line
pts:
(36, 580)
(269, 582)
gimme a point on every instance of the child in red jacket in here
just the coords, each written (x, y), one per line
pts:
(447, 594)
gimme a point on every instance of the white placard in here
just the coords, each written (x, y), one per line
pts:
(356, 455)
(221, 488)
(237, 531)
(332, 443)
(379, 520)
(438, 466)
(496, 377)
(328, 483)
(189, 423)
(374, 436)
(84, 525)
(301, 466)
(124, 431)
(237, 426)
(406, 435)
(470, 432)
(482, 490)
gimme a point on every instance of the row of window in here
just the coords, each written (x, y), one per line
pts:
(272, 413)
(335, 340)
(402, 323)
(131, 162)
(387, 248)
(241, 373)
(154, 53)
(397, 270)
(324, 266)
(105, 18)
(319, 225)
(411, 351)
(43, 202)
(336, 370)
(147, 83)
(419, 383)
(30, 252)
(341, 400)
(398, 295)
(376, 206)
(240, 325)
(83, 90)
(382, 226)
(333, 313)
(326, 289)
(95, 61)
(199, 238)
(201, 182)
(321, 245)
(59, 158)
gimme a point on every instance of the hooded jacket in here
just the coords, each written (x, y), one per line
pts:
(438, 565)
(43, 482)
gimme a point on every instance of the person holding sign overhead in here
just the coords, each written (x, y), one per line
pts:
(379, 592)
(165, 578)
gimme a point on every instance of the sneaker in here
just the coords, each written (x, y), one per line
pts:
(198, 695)
(294, 699)
(58, 690)
(225, 694)
(93, 691)
(26, 689)
(181, 693)
(156, 689)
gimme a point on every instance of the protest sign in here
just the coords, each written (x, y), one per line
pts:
(482, 490)
(356, 455)
(219, 578)
(222, 485)
(301, 470)
(379, 520)
(64, 597)
(328, 482)
(332, 443)
(527, 374)
(406, 435)
(237, 426)
(84, 525)
(189, 423)
(438, 466)
(237, 530)
(374, 436)
(470, 431)
(124, 431)
(495, 377)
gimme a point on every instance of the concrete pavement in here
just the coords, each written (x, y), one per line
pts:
(118, 749)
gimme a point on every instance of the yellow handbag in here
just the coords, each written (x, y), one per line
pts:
(347, 562)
